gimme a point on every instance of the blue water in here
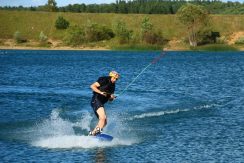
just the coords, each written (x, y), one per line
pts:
(188, 107)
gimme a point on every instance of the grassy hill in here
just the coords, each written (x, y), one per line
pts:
(30, 24)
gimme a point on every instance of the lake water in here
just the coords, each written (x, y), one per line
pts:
(188, 107)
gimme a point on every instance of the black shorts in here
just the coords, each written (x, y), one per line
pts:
(95, 104)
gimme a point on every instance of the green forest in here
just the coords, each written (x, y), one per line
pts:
(139, 7)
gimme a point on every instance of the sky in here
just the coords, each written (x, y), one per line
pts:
(28, 3)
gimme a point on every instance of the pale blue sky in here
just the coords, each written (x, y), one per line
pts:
(43, 2)
(28, 3)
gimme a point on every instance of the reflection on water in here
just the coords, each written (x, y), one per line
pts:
(100, 156)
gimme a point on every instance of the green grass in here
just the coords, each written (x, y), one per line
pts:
(215, 47)
(30, 24)
(227, 24)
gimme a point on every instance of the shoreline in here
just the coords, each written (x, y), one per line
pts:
(55, 48)
(85, 48)
(89, 49)
(81, 49)
(174, 45)
(10, 44)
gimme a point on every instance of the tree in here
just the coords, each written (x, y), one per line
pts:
(52, 5)
(122, 7)
(194, 17)
(122, 32)
(148, 35)
(146, 25)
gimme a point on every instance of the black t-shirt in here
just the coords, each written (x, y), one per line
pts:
(107, 86)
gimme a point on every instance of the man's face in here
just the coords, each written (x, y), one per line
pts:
(114, 79)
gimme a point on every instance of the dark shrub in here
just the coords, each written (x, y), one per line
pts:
(152, 38)
(207, 37)
(74, 36)
(95, 32)
(19, 38)
(61, 23)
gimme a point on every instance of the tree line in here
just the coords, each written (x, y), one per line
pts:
(139, 7)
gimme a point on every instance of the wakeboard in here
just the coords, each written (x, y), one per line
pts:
(104, 137)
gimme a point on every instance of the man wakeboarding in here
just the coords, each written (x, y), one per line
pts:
(103, 90)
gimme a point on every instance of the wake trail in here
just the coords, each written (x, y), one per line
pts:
(166, 112)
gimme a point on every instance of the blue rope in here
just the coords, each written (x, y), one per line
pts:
(153, 62)
(133, 80)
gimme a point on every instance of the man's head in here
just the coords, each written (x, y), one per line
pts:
(114, 76)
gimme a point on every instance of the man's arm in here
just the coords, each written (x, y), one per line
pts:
(95, 86)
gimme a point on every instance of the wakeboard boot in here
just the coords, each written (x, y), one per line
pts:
(96, 132)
